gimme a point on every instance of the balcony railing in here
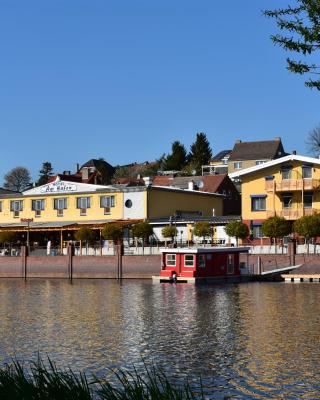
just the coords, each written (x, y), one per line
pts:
(290, 185)
(292, 213)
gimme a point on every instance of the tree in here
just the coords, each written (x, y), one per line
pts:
(142, 230)
(45, 173)
(202, 229)
(301, 26)
(86, 235)
(200, 152)
(313, 141)
(169, 231)
(308, 227)
(237, 229)
(178, 157)
(112, 232)
(276, 227)
(18, 179)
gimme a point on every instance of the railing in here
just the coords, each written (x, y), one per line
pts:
(289, 185)
(291, 213)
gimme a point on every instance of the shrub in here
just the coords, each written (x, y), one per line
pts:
(237, 229)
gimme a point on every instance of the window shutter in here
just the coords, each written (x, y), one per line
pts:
(55, 204)
(33, 205)
(11, 205)
(112, 201)
(20, 205)
(88, 202)
(102, 201)
(65, 203)
(42, 205)
(79, 202)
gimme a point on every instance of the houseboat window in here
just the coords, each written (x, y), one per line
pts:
(171, 260)
(307, 200)
(189, 260)
(209, 256)
(202, 260)
(230, 264)
(258, 203)
(128, 203)
(306, 171)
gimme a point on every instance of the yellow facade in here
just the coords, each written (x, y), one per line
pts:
(135, 203)
(289, 195)
(163, 203)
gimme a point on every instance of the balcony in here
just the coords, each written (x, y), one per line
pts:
(291, 185)
(292, 213)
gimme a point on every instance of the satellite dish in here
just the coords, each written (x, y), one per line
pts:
(194, 172)
(199, 184)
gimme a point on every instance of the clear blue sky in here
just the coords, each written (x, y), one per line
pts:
(123, 79)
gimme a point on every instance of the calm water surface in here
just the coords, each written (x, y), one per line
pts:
(255, 340)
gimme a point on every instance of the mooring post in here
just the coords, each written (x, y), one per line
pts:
(259, 265)
(70, 260)
(24, 261)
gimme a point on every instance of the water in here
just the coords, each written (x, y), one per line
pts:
(250, 341)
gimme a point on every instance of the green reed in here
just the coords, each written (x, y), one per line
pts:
(40, 381)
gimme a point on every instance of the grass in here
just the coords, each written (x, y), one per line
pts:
(39, 381)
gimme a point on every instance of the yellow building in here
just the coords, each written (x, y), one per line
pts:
(288, 187)
(64, 206)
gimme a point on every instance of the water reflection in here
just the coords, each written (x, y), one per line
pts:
(248, 340)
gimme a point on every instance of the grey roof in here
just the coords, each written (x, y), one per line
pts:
(7, 191)
(221, 155)
(259, 150)
(97, 164)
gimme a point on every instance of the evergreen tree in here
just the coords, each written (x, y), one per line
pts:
(178, 157)
(301, 24)
(200, 152)
(44, 174)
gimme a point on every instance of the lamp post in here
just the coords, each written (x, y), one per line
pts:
(27, 220)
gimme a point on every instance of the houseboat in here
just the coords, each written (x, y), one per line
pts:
(201, 264)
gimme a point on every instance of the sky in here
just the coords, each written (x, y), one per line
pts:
(123, 79)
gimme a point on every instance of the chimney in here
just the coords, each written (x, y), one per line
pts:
(238, 141)
(77, 167)
(66, 172)
(294, 152)
(190, 185)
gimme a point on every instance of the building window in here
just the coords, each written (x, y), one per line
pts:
(83, 203)
(60, 204)
(259, 162)
(37, 206)
(0, 206)
(307, 200)
(16, 206)
(287, 201)
(257, 231)
(286, 173)
(171, 260)
(189, 260)
(306, 171)
(258, 203)
(106, 202)
(237, 165)
(230, 266)
(202, 260)
(128, 203)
